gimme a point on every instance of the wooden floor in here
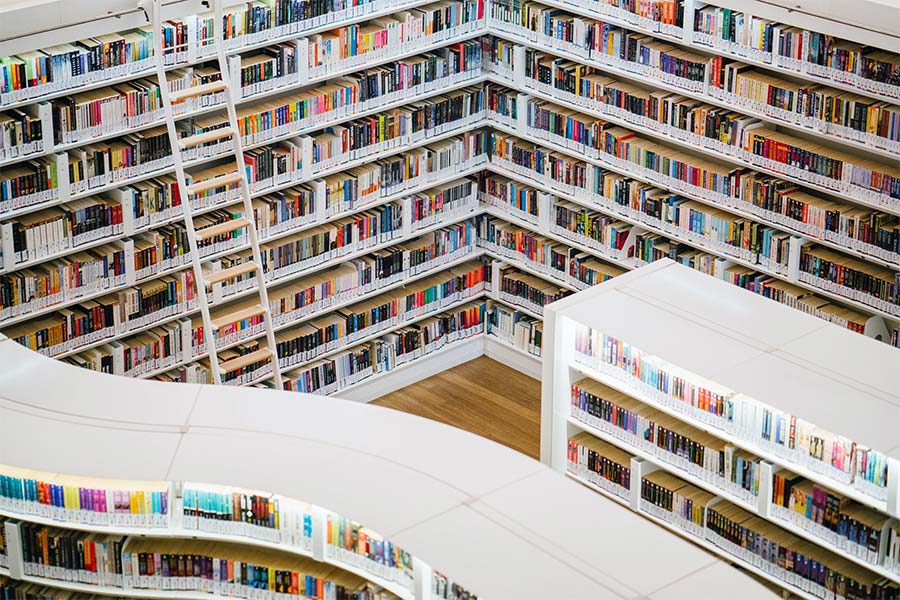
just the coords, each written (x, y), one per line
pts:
(482, 396)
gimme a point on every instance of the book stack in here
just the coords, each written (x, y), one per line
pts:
(516, 328)
(601, 464)
(74, 499)
(246, 513)
(229, 569)
(70, 555)
(358, 546)
(443, 587)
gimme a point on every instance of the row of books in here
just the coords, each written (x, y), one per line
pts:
(235, 511)
(863, 292)
(806, 106)
(692, 510)
(786, 556)
(528, 291)
(829, 516)
(680, 446)
(106, 165)
(30, 75)
(787, 436)
(125, 106)
(599, 463)
(572, 267)
(383, 355)
(506, 193)
(568, 176)
(358, 545)
(728, 32)
(137, 104)
(403, 30)
(736, 31)
(708, 126)
(22, 132)
(298, 252)
(515, 328)
(77, 499)
(55, 230)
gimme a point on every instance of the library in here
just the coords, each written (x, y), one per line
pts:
(450, 299)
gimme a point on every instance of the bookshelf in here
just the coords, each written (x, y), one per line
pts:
(428, 498)
(691, 401)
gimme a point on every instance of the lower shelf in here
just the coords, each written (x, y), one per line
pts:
(380, 384)
(512, 356)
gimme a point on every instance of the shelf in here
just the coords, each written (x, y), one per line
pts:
(724, 340)
(841, 488)
(372, 336)
(540, 140)
(473, 78)
(730, 207)
(665, 465)
(159, 532)
(234, 46)
(313, 268)
(386, 199)
(581, 9)
(707, 545)
(800, 532)
(434, 362)
(519, 38)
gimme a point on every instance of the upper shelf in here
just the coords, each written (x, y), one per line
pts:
(839, 381)
(477, 510)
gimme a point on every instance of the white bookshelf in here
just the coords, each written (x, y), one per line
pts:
(710, 333)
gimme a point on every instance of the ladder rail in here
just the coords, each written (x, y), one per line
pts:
(238, 151)
(187, 209)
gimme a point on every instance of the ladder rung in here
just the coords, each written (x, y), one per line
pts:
(215, 182)
(238, 315)
(240, 362)
(198, 90)
(206, 136)
(226, 227)
(235, 271)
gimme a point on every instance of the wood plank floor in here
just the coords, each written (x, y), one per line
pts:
(482, 396)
